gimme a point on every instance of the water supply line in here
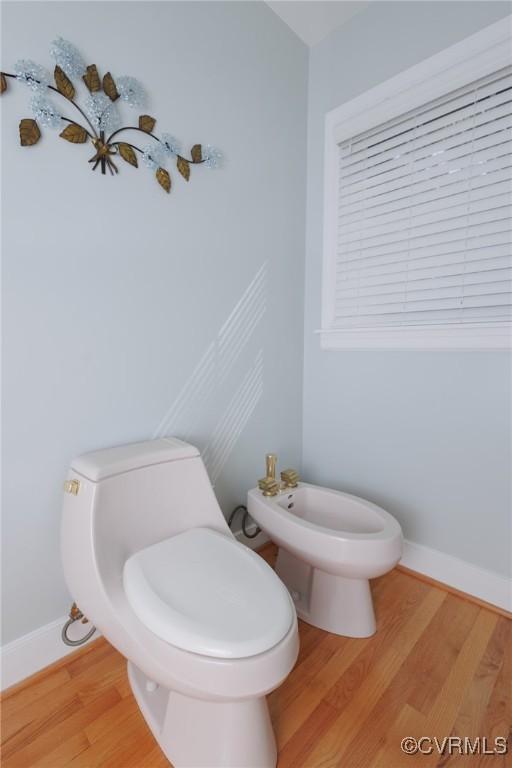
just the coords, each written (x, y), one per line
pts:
(75, 614)
(244, 522)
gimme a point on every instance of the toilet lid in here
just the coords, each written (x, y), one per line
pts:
(206, 593)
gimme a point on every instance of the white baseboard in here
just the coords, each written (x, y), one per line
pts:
(31, 653)
(459, 574)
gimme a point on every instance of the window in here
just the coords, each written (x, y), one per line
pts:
(417, 229)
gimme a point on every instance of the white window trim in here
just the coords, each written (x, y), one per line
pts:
(472, 58)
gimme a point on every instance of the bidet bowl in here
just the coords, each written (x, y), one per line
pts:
(330, 544)
(331, 530)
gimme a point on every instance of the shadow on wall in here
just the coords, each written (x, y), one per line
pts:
(209, 383)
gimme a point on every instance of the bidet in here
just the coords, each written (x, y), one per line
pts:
(330, 545)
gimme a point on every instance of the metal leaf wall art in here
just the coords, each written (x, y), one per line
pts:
(99, 121)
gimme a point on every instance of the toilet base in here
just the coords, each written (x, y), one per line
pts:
(336, 604)
(198, 733)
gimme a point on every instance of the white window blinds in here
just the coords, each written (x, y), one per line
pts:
(423, 214)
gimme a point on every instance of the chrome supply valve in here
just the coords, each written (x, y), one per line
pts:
(75, 614)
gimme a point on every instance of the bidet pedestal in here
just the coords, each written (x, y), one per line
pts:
(334, 603)
(200, 733)
(340, 605)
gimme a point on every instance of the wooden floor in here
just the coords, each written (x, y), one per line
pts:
(438, 666)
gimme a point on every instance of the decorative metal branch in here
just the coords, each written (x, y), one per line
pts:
(101, 116)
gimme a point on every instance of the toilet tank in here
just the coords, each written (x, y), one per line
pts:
(131, 497)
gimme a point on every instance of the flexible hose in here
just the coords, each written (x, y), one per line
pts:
(81, 640)
(244, 522)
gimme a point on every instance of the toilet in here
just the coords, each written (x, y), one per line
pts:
(207, 627)
(330, 545)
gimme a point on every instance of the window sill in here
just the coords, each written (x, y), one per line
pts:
(441, 337)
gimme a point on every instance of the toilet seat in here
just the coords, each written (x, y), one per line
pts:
(203, 592)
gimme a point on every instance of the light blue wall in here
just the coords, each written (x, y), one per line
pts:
(128, 312)
(425, 434)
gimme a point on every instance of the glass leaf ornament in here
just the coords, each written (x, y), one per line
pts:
(171, 145)
(212, 157)
(45, 111)
(102, 112)
(99, 119)
(131, 91)
(28, 72)
(154, 156)
(68, 57)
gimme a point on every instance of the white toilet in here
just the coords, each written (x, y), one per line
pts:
(330, 545)
(207, 627)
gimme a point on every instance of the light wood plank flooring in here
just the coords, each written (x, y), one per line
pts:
(439, 665)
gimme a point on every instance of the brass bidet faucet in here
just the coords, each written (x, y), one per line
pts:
(268, 485)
